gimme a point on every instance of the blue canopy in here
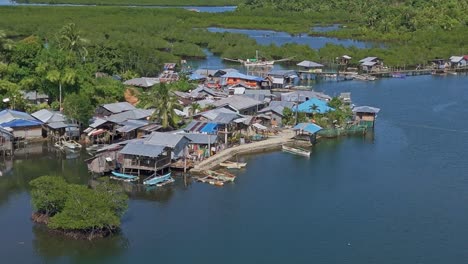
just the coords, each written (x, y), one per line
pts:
(209, 128)
(308, 106)
(308, 127)
(21, 123)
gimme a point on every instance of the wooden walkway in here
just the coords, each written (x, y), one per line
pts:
(268, 144)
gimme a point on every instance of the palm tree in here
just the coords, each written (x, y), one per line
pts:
(194, 108)
(70, 40)
(164, 101)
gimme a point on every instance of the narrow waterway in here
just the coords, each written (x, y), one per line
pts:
(397, 196)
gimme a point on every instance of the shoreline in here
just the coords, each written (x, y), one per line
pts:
(271, 143)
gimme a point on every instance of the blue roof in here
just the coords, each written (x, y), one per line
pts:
(308, 127)
(209, 128)
(306, 107)
(239, 75)
(21, 123)
(195, 76)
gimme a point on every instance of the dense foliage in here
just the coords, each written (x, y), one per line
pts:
(77, 208)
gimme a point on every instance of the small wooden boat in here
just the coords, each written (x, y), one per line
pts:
(166, 182)
(155, 179)
(296, 150)
(233, 165)
(365, 77)
(123, 177)
(71, 144)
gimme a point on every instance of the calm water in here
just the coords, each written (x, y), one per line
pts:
(207, 9)
(399, 196)
(267, 37)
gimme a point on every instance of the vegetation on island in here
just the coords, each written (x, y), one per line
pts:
(76, 210)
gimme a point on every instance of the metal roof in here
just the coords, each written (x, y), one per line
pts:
(144, 82)
(33, 95)
(202, 139)
(368, 59)
(456, 59)
(210, 128)
(130, 114)
(5, 132)
(369, 63)
(164, 139)
(307, 127)
(283, 73)
(119, 107)
(139, 149)
(366, 109)
(48, 116)
(57, 125)
(301, 96)
(278, 107)
(12, 118)
(309, 64)
(238, 102)
(98, 122)
(131, 125)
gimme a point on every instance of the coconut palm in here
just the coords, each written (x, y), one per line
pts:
(69, 39)
(195, 108)
(164, 101)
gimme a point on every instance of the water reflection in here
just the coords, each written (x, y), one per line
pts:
(55, 247)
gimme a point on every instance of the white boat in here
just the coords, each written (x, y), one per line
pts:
(69, 144)
(295, 150)
(364, 77)
(233, 165)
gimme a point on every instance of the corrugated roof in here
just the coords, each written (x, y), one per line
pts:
(278, 107)
(57, 125)
(21, 123)
(366, 109)
(307, 127)
(456, 59)
(48, 116)
(301, 96)
(131, 125)
(33, 95)
(202, 139)
(144, 82)
(369, 63)
(164, 139)
(12, 118)
(98, 122)
(5, 132)
(368, 59)
(238, 102)
(119, 107)
(283, 73)
(130, 114)
(140, 149)
(309, 64)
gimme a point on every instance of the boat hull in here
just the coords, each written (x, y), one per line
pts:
(295, 151)
(158, 179)
(123, 177)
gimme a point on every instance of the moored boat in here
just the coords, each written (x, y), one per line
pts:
(156, 179)
(123, 177)
(233, 165)
(296, 150)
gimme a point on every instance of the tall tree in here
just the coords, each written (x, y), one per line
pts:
(164, 101)
(70, 40)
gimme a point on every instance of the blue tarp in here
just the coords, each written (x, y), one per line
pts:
(242, 76)
(196, 77)
(209, 128)
(308, 127)
(21, 123)
(308, 106)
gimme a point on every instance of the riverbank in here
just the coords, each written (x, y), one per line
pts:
(269, 144)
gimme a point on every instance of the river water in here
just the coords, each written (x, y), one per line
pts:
(396, 196)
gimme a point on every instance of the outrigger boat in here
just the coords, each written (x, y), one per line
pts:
(256, 62)
(233, 165)
(123, 177)
(155, 179)
(295, 150)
